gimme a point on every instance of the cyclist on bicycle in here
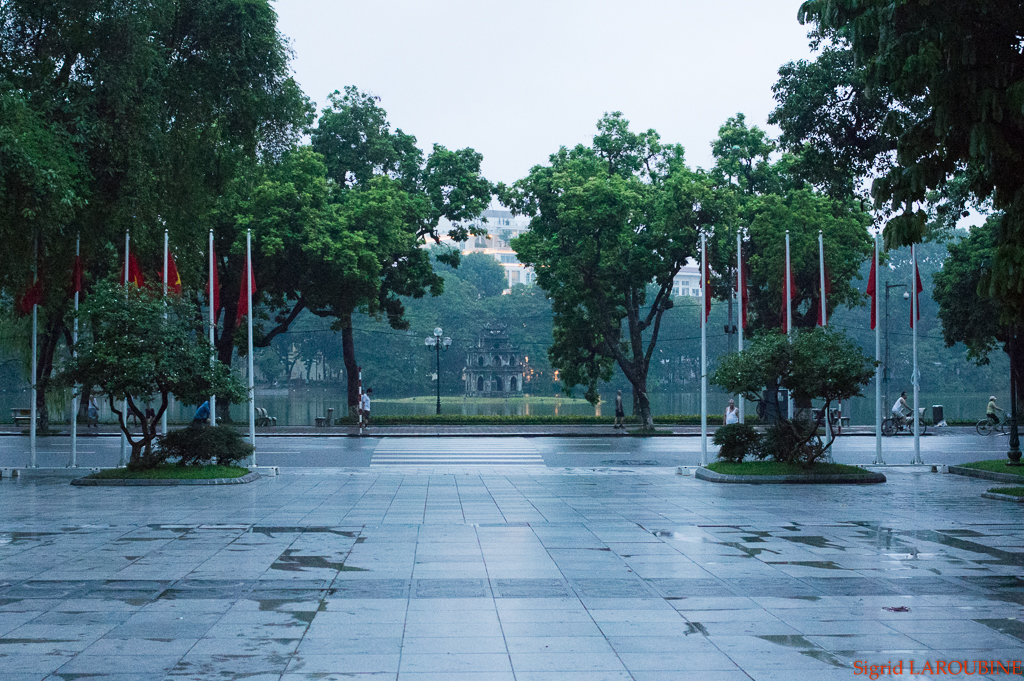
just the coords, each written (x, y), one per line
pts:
(991, 410)
(901, 409)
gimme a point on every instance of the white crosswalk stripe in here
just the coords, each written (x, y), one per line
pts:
(456, 451)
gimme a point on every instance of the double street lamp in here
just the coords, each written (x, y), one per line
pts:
(438, 344)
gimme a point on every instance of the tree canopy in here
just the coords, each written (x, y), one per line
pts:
(607, 221)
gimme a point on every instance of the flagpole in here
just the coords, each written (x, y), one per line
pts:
(704, 352)
(821, 269)
(123, 461)
(74, 353)
(878, 365)
(35, 363)
(917, 377)
(789, 316)
(213, 322)
(163, 417)
(252, 378)
(739, 295)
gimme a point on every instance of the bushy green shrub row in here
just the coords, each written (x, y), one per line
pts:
(481, 420)
(784, 443)
(200, 445)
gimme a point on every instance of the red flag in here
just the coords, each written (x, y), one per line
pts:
(828, 291)
(243, 303)
(33, 296)
(216, 289)
(76, 276)
(792, 295)
(707, 288)
(872, 291)
(134, 273)
(917, 289)
(173, 278)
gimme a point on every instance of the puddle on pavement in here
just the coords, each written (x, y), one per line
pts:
(1014, 628)
(747, 550)
(290, 562)
(695, 628)
(820, 564)
(805, 647)
(271, 531)
(817, 542)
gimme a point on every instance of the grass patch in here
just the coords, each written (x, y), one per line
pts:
(1009, 491)
(995, 466)
(171, 472)
(776, 468)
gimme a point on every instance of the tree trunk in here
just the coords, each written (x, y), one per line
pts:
(53, 331)
(642, 404)
(348, 350)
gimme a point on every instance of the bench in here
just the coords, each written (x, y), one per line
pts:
(22, 417)
(263, 418)
(325, 421)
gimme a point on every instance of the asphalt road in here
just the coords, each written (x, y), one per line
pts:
(301, 451)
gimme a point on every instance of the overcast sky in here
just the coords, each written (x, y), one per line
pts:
(517, 79)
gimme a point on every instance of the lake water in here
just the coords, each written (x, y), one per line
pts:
(302, 406)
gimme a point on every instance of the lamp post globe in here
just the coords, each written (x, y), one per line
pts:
(438, 344)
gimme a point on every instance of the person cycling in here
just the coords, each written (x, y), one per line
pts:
(901, 409)
(991, 409)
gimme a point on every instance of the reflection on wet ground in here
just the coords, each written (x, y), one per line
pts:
(523, 573)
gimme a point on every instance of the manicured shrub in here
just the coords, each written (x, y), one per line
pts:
(198, 445)
(736, 441)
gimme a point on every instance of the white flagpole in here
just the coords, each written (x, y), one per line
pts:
(789, 315)
(821, 268)
(213, 322)
(252, 378)
(739, 296)
(74, 353)
(878, 368)
(703, 351)
(917, 377)
(163, 418)
(124, 403)
(35, 363)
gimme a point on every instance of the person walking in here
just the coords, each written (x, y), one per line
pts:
(94, 413)
(732, 414)
(620, 412)
(202, 414)
(364, 406)
(991, 409)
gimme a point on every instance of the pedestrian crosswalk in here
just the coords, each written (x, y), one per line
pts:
(456, 451)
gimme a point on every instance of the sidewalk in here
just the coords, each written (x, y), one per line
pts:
(457, 431)
(525, 573)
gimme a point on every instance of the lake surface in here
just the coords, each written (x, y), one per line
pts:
(301, 407)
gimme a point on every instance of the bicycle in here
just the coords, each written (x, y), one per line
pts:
(891, 426)
(986, 427)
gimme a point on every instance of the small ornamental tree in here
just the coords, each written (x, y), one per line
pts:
(134, 354)
(813, 364)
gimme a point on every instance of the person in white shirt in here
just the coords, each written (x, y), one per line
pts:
(901, 409)
(365, 407)
(732, 414)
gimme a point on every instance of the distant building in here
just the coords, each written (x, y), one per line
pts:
(501, 228)
(494, 368)
(687, 281)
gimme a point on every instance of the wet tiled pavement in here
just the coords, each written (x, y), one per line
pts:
(525, 573)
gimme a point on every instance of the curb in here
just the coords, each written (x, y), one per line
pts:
(87, 482)
(840, 479)
(986, 475)
(1003, 497)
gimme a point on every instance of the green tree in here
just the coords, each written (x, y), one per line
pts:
(817, 364)
(607, 221)
(480, 270)
(133, 353)
(395, 195)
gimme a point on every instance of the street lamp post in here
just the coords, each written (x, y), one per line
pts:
(885, 367)
(1014, 454)
(438, 344)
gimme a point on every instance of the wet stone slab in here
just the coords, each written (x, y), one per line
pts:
(503, 574)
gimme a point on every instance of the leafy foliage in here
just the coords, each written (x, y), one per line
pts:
(199, 445)
(816, 364)
(607, 220)
(735, 441)
(133, 353)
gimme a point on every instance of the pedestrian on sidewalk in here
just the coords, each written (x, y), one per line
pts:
(365, 407)
(620, 412)
(94, 413)
(732, 414)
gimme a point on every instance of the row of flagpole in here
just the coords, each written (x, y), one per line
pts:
(788, 294)
(130, 274)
